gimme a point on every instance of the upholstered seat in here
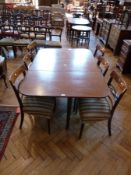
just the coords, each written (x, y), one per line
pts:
(94, 108)
(40, 106)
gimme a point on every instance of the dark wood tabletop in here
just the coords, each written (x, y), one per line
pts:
(64, 60)
(64, 72)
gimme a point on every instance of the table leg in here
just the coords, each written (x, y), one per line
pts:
(15, 51)
(69, 108)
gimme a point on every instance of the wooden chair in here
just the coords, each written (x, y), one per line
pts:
(24, 31)
(103, 64)
(32, 49)
(99, 109)
(3, 70)
(57, 19)
(99, 51)
(9, 30)
(55, 32)
(40, 32)
(27, 59)
(32, 105)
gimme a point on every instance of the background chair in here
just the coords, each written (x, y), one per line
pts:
(99, 109)
(3, 69)
(99, 51)
(27, 59)
(32, 105)
(55, 32)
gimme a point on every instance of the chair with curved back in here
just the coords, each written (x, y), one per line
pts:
(103, 64)
(27, 59)
(98, 109)
(99, 51)
(32, 49)
(32, 105)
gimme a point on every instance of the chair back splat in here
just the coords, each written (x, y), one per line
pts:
(99, 51)
(103, 64)
(117, 88)
(27, 59)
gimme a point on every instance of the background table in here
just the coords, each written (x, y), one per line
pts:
(78, 21)
(81, 33)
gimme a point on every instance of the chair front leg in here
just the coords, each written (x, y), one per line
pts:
(109, 126)
(48, 121)
(81, 130)
(22, 119)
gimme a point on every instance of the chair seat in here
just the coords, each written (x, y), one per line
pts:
(45, 43)
(94, 109)
(42, 106)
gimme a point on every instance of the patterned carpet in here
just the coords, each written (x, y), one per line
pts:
(7, 121)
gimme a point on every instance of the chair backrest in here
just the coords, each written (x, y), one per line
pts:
(99, 51)
(32, 48)
(15, 80)
(117, 88)
(103, 64)
(3, 66)
(27, 59)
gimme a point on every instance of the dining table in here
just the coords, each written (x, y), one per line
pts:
(65, 72)
(78, 21)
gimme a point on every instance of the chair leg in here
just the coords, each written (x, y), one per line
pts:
(75, 105)
(109, 126)
(22, 119)
(48, 121)
(81, 130)
(4, 78)
(69, 108)
(95, 52)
